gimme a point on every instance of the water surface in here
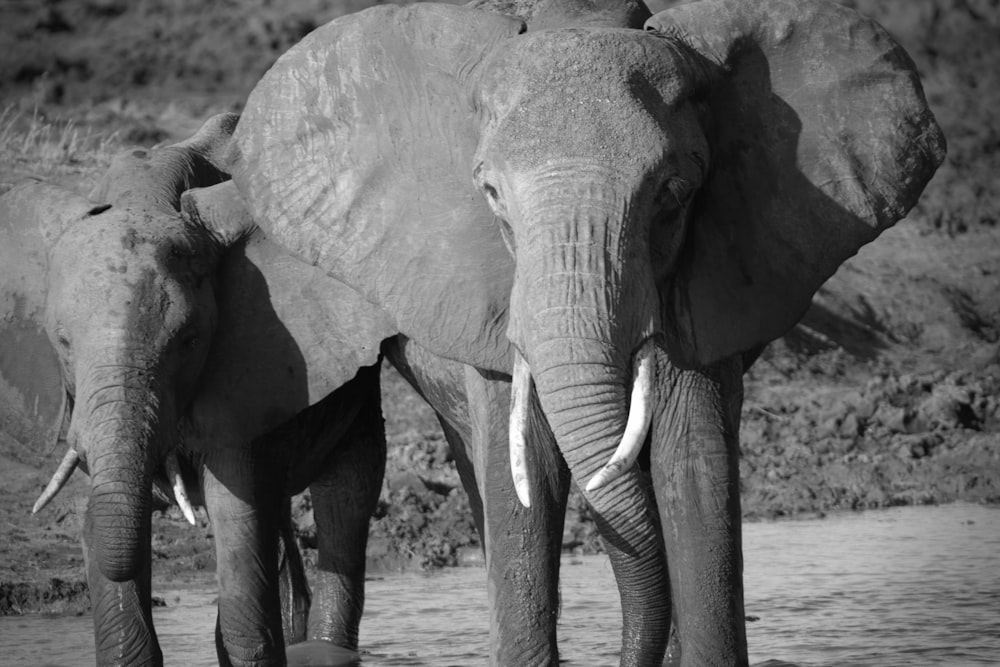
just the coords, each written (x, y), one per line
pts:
(906, 586)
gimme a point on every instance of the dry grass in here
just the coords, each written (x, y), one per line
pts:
(33, 145)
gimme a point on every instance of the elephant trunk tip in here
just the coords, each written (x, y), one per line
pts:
(121, 530)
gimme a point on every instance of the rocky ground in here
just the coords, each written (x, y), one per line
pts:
(886, 394)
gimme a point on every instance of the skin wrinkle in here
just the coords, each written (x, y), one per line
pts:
(694, 463)
(516, 76)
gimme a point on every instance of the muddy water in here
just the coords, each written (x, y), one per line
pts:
(913, 586)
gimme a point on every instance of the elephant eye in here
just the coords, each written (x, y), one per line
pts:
(62, 338)
(676, 193)
(493, 199)
(489, 190)
(190, 340)
(491, 193)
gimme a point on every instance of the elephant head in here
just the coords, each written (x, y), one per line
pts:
(573, 193)
(122, 288)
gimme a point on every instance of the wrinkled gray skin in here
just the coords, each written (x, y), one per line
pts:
(522, 544)
(161, 336)
(189, 332)
(565, 193)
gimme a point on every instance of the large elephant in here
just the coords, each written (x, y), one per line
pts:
(157, 347)
(613, 208)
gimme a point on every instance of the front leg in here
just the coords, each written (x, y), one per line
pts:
(243, 501)
(695, 468)
(344, 497)
(523, 544)
(123, 618)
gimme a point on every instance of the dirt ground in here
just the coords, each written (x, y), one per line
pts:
(886, 394)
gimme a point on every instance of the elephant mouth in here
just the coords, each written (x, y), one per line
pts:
(633, 437)
(71, 461)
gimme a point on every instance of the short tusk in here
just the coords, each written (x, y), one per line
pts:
(58, 481)
(639, 415)
(180, 493)
(520, 397)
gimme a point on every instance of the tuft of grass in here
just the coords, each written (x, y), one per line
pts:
(43, 145)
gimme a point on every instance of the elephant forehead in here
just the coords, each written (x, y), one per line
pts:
(123, 241)
(547, 60)
(618, 90)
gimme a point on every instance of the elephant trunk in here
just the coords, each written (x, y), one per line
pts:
(583, 308)
(584, 312)
(117, 436)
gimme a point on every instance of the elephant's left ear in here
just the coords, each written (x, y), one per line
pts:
(821, 139)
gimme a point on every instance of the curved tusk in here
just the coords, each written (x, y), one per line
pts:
(520, 398)
(58, 481)
(180, 493)
(640, 413)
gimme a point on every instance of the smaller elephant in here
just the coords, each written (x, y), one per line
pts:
(165, 352)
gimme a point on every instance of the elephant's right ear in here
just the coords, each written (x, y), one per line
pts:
(32, 217)
(355, 152)
(820, 138)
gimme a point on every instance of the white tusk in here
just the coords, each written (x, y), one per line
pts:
(520, 398)
(58, 481)
(180, 493)
(640, 413)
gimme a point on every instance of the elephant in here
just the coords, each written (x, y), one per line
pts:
(166, 354)
(612, 211)
(260, 377)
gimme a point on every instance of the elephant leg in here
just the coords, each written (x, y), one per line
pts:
(292, 585)
(344, 498)
(695, 467)
(463, 457)
(522, 544)
(244, 504)
(123, 616)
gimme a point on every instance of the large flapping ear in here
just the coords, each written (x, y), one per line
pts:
(287, 333)
(821, 139)
(156, 177)
(32, 217)
(355, 151)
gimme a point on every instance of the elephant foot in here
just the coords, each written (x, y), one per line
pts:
(318, 652)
